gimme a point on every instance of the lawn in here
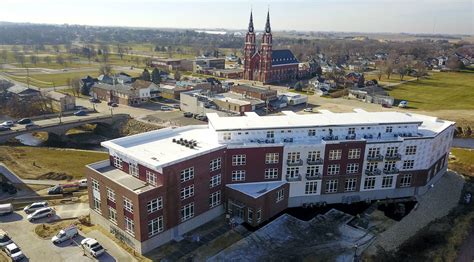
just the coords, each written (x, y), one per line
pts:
(464, 162)
(446, 90)
(48, 163)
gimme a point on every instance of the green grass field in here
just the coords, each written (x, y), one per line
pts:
(445, 90)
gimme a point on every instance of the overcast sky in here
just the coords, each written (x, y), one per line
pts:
(412, 16)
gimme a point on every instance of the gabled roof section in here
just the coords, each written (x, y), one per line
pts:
(282, 57)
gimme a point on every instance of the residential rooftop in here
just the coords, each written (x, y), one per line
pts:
(255, 190)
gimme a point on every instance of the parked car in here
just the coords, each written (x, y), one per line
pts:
(82, 183)
(309, 109)
(80, 113)
(14, 252)
(6, 209)
(177, 106)
(35, 206)
(201, 117)
(188, 114)
(8, 123)
(30, 125)
(92, 246)
(386, 105)
(166, 108)
(4, 239)
(41, 213)
(94, 100)
(24, 121)
(403, 104)
(65, 234)
(4, 128)
(61, 189)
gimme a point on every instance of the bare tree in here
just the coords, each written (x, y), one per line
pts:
(120, 51)
(105, 53)
(105, 69)
(20, 58)
(379, 74)
(75, 84)
(420, 69)
(70, 59)
(60, 60)
(4, 56)
(47, 60)
(136, 59)
(34, 59)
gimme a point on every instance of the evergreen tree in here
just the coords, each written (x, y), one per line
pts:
(145, 75)
(155, 76)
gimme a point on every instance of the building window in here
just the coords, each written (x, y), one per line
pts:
(373, 152)
(272, 158)
(392, 151)
(280, 195)
(369, 183)
(127, 204)
(215, 199)
(405, 180)
(331, 186)
(314, 155)
(334, 169)
(351, 131)
(292, 172)
(259, 215)
(133, 169)
(389, 165)
(151, 178)
(350, 184)
(271, 173)
(239, 160)
(227, 136)
(96, 203)
(270, 134)
(129, 226)
(249, 215)
(371, 166)
(118, 162)
(187, 192)
(387, 181)
(312, 132)
(352, 168)
(187, 174)
(410, 150)
(155, 226)
(113, 215)
(154, 205)
(354, 153)
(238, 175)
(408, 164)
(311, 187)
(187, 211)
(215, 181)
(312, 171)
(215, 164)
(293, 157)
(110, 195)
(388, 129)
(335, 154)
(95, 185)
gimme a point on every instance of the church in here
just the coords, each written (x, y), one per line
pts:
(265, 64)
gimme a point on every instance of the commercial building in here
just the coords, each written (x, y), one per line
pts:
(159, 185)
(61, 102)
(262, 93)
(126, 94)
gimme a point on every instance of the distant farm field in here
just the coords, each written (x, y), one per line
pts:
(439, 91)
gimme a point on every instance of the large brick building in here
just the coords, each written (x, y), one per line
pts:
(159, 185)
(267, 65)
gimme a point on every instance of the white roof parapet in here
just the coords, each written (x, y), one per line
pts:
(359, 110)
(324, 111)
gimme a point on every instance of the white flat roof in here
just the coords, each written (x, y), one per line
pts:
(325, 118)
(157, 149)
(256, 190)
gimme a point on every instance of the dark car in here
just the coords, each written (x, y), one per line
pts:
(4, 128)
(113, 105)
(24, 121)
(80, 113)
(94, 100)
(188, 114)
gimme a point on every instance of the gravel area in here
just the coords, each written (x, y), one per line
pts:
(435, 203)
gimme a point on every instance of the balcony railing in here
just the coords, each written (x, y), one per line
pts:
(298, 162)
(314, 176)
(318, 161)
(391, 171)
(375, 172)
(395, 156)
(377, 158)
(293, 178)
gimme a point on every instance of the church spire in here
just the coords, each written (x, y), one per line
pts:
(251, 22)
(267, 25)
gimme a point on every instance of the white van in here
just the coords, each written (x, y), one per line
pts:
(6, 209)
(65, 234)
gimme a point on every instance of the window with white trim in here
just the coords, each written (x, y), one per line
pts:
(331, 186)
(354, 153)
(387, 181)
(350, 184)
(352, 168)
(215, 181)
(215, 199)
(215, 164)
(270, 134)
(389, 165)
(271, 173)
(187, 211)
(312, 132)
(334, 169)
(133, 169)
(112, 215)
(314, 155)
(294, 157)
(96, 203)
(127, 204)
(111, 195)
(151, 178)
(187, 192)
(272, 158)
(95, 185)
(369, 183)
(129, 226)
(388, 129)
(280, 195)
(238, 175)
(239, 160)
(373, 152)
(410, 150)
(335, 154)
(292, 171)
(155, 226)
(405, 180)
(311, 187)
(154, 205)
(187, 174)
(371, 166)
(391, 151)
(312, 171)
(227, 136)
(259, 215)
(351, 131)
(118, 162)
(249, 215)
(408, 164)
